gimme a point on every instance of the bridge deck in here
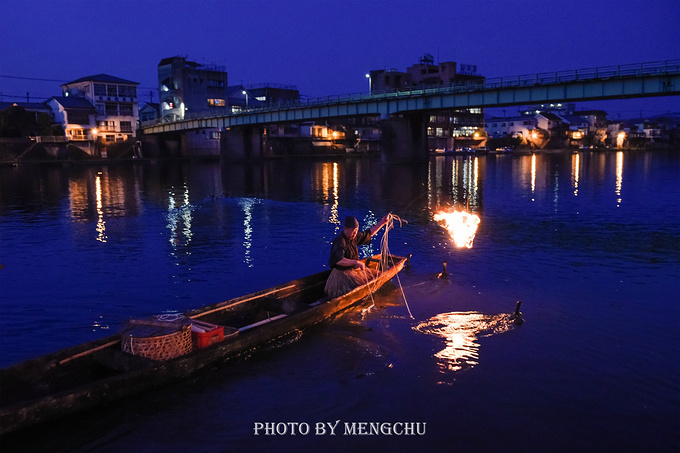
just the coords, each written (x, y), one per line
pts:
(610, 82)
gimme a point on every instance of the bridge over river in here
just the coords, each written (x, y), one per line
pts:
(404, 112)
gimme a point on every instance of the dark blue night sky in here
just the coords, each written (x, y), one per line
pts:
(326, 47)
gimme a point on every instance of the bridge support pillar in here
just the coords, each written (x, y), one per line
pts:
(241, 143)
(150, 145)
(404, 139)
(172, 144)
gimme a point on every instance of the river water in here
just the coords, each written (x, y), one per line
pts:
(588, 241)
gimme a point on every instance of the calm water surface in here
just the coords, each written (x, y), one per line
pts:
(589, 242)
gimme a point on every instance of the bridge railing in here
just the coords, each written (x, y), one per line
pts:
(544, 78)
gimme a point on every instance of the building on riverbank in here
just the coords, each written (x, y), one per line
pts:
(567, 127)
(552, 126)
(186, 87)
(447, 129)
(149, 111)
(245, 97)
(92, 114)
(96, 111)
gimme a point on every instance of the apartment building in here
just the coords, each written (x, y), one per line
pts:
(446, 129)
(99, 108)
(246, 97)
(187, 87)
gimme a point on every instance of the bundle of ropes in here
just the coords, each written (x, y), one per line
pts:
(386, 257)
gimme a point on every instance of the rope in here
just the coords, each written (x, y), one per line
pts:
(169, 317)
(385, 254)
(383, 258)
(368, 285)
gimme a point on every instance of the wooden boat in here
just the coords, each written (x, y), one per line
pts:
(98, 372)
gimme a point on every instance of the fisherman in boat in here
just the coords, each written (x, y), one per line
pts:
(347, 271)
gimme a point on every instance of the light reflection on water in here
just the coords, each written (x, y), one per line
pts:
(179, 217)
(619, 177)
(101, 224)
(533, 176)
(460, 332)
(454, 182)
(575, 171)
(330, 191)
(247, 205)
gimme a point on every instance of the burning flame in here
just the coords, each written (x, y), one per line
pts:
(460, 225)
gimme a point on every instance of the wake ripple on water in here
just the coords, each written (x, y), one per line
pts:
(460, 331)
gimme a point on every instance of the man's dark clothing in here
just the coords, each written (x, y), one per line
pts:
(343, 247)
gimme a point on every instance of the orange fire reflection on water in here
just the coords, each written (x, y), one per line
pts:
(460, 225)
(460, 331)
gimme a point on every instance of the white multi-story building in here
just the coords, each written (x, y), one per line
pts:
(653, 131)
(97, 108)
(515, 126)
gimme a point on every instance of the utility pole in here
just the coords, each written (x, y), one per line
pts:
(27, 97)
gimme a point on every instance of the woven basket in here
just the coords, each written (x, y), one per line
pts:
(159, 347)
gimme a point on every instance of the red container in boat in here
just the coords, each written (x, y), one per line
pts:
(213, 334)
